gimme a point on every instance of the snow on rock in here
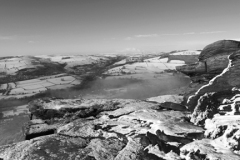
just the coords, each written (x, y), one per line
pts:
(103, 129)
(207, 149)
(222, 85)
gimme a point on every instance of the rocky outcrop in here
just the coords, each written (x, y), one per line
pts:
(193, 69)
(223, 86)
(228, 79)
(225, 129)
(209, 104)
(216, 104)
(212, 60)
(222, 47)
(223, 143)
(216, 107)
(103, 129)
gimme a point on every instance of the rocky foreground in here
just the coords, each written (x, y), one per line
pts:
(207, 126)
(103, 129)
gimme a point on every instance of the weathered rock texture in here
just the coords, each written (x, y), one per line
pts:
(207, 149)
(212, 60)
(223, 143)
(222, 86)
(222, 47)
(101, 129)
(216, 106)
(225, 129)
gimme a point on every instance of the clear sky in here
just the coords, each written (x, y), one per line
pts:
(104, 26)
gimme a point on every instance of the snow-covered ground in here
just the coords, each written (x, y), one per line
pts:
(152, 65)
(34, 86)
(122, 62)
(156, 60)
(16, 111)
(11, 65)
(74, 60)
(187, 53)
(3, 86)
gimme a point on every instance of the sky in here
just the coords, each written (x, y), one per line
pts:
(33, 27)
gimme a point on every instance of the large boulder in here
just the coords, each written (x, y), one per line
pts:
(222, 47)
(212, 60)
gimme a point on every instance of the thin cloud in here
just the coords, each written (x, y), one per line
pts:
(7, 37)
(19, 37)
(189, 33)
(170, 34)
(141, 36)
(212, 32)
(146, 35)
(192, 33)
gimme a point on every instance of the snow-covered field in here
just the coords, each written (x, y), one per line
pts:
(74, 60)
(3, 86)
(187, 53)
(34, 86)
(152, 65)
(122, 62)
(11, 65)
(16, 111)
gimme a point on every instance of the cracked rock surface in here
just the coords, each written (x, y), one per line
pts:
(103, 129)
